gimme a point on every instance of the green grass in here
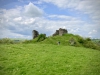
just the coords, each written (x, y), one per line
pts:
(47, 59)
(54, 39)
(65, 40)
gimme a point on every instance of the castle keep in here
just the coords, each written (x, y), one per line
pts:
(35, 33)
(58, 32)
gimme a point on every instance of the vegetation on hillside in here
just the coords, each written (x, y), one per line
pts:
(43, 56)
(48, 59)
(6, 41)
(11, 41)
(66, 40)
(96, 41)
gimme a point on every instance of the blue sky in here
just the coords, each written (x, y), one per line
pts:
(19, 17)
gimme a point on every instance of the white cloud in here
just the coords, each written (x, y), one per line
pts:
(28, 21)
(19, 22)
(6, 33)
(16, 22)
(93, 32)
(63, 3)
(18, 19)
(85, 7)
(62, 17)
(32, 10)
(90, 7)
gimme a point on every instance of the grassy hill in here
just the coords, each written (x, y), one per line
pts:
(43, 56)
(48, 59)
(65, 40)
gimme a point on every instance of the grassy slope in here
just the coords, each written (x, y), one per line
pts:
(64, 40)
(42, 59)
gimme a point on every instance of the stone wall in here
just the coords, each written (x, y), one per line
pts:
(56, 33)
(35, 33)
(60, 32)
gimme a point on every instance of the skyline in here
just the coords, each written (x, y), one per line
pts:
(18, 17)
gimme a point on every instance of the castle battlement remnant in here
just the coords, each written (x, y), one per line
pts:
(35, 33)
(60, 32)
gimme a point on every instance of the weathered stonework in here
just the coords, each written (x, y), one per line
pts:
(60, 32)
(56, 33)
(35, 34)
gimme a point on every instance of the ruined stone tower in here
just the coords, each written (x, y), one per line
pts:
(60, 32)
(35, 33)
(56, 33)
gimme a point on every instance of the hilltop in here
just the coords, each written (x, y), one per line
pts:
(60, 37)
(46, 56)
(65, 40)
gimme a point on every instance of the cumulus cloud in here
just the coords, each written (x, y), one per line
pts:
(90, 7)
(85, 7)
(28, 21)
(19, 22)
(63, 3)
(32, 10)
(92, 32)
(18, 19)
(62, 17)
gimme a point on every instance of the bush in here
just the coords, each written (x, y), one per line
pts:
(6, 41)
(90, 44)
(73, 42)
(41, 37)
(88, 39)
(27, 41)
(81, 40)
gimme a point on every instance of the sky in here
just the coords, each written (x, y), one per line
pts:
(19, 17)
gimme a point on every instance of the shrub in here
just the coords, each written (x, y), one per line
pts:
(98, 41)
(41, 37)
(81, 40)
(88, 39)
(27, 41)
(90, 44)
(6, 41)
(73, 42)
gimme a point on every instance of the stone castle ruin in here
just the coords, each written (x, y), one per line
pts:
(35, 33)
(60, 32)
